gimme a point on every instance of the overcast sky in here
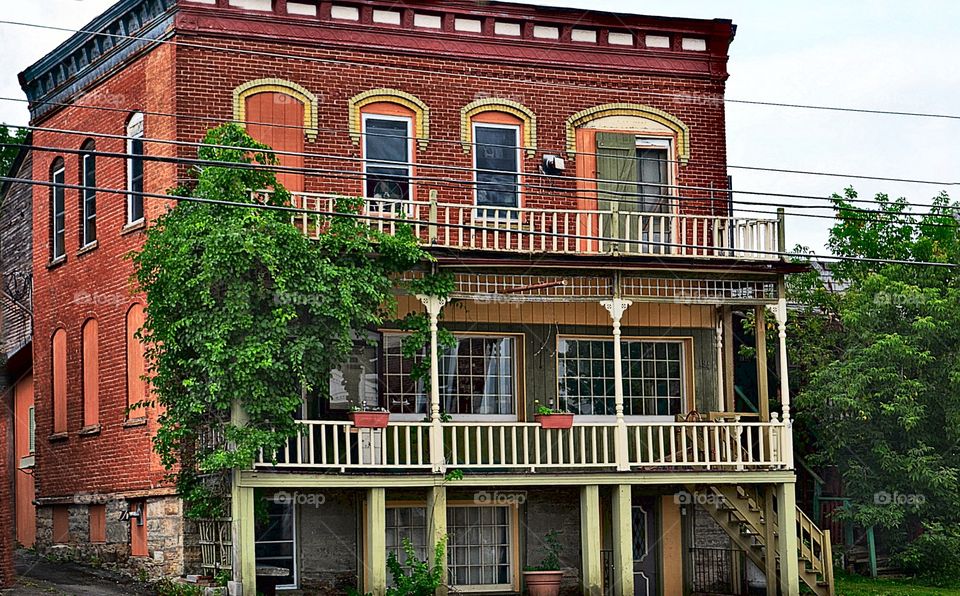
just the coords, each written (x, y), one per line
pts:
(878, 54)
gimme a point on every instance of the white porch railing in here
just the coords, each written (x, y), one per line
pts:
(562, 231)
(490, 446)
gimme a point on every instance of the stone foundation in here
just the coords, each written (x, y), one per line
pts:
(171, 540)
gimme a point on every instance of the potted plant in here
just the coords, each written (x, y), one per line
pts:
(552, 418)
(364, 417)
(545, 578)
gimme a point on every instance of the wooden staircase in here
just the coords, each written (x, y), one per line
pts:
(741, 511)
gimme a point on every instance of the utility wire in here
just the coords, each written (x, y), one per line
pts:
(519, 231)
(470, 143)
(669, 200)
(522, 183)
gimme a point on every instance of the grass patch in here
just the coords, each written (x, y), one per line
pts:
(860, 586)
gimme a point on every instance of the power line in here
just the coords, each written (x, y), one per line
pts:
(522, 183)
(471, 143)
(488, 77)
(519, 231)
(670, 200)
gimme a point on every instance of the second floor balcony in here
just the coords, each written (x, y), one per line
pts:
(612, 231)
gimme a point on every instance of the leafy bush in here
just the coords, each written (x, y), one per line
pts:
(416, 577)
(934, 555)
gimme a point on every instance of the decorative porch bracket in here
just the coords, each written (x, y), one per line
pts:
(435, 304)
(617, 307)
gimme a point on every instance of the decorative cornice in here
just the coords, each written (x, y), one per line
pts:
(507, 106)
(411, 102)
(629, 109)
(288, 88)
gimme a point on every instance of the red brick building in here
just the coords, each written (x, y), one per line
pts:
(583, 157)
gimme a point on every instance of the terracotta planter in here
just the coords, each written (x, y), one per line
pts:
(370, 419)
(556, 421)
(543, 583)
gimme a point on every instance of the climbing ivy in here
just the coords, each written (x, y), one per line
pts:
(246, 313)
(417, 325)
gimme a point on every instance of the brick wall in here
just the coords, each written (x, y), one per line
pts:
(7, 526)
(95, 283)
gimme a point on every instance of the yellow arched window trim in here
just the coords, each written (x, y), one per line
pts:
(412, 102)
(631, 109)
(289, 88)
(493, 104)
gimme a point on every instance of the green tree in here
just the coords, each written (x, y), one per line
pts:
(9, 146)
(878, 365)
(243, 309)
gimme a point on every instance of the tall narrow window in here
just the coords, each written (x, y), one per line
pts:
(32, 430)
(653, 156)
(135, 169)
(387, 151)
(88, 195)
(91, 374)
(136, 387)
(59, 379)
(276, 543)
(497, 160)
(58, 213)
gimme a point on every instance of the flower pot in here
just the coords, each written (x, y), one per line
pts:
(370, 419)
(555, 421)
(543, 583)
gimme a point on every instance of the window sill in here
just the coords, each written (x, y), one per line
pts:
(59, 437)
(135, 422)
(56, 262)
(90, 431)
(88, 248)
(134, 227)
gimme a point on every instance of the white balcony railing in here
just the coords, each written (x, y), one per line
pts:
(491, 446)
(562, 231)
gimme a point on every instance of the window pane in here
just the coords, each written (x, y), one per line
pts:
(477, 376)
(59, 216)
(386, 140)
(89, 199)
(275, 540)
(652, 375)
(479, 541)
(135, 207)
(387, 183)
(653, 178)
(497, 150)
(407, 523)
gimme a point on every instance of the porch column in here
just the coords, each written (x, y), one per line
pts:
(437, 527)
(376, 540)
(244, 537)
(787, 536)
(770, 538)
(591, 557)
(763, 389)
(720, 371)
(622, 540)
(434, 305)
(787, 438)
(617, 307)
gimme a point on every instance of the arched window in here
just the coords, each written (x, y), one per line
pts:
(389, 126)
(59, 380)
(136, 387)
(58, 212)
(498, 131)
(279, 114)
(91, 373)
(135, 153)
(88, 195)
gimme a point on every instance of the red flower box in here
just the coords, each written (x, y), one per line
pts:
(370, 419)
(555, 421)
